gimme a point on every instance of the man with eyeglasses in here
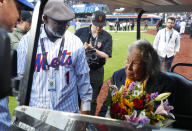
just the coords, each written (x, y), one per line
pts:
(167, 44)
(9, 15)
(61, 65)
(98, 46)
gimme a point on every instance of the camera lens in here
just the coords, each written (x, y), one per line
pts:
(93, 56)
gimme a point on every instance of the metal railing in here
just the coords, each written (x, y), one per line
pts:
(180, 64)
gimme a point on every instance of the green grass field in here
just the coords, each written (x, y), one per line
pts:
(121, 41)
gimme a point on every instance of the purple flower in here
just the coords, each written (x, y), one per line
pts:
(164, 109)
(144, 120)
(124, 94)
(168, 108)
(153, 95)
(114, 89)
(133, 117)
(131, 86)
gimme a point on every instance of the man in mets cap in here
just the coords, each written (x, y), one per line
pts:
(9, 15)
(10, 12)
(96, 40)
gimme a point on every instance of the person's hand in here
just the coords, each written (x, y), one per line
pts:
(85, 45)
(85, 112)
(88, 46)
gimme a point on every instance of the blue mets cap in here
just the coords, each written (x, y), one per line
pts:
(28, 5)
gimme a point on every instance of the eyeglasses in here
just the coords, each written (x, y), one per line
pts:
(170, 22)
(60, 23)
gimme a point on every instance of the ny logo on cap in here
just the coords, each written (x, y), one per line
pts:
(100, 18)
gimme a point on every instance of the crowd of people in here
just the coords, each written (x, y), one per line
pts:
(180, 26)
(121, 25)
(67, 77)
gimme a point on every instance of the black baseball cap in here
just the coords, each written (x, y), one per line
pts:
(99, 19)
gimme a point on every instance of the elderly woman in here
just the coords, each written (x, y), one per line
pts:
(143, 64)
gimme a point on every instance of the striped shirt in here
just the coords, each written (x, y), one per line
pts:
(73, 71)
(5, 118)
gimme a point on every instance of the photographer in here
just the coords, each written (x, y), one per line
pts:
(98, 46)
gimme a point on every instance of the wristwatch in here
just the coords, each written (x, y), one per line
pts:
(93, 49)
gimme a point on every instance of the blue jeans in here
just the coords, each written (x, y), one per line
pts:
(167, 62)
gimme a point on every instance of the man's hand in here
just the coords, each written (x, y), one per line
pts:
(88, 46)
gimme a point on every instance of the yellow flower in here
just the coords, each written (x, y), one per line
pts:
(117, 97)
(121, 104)
(128, 103)
(160, 117)
(162, 96)
(129, 111)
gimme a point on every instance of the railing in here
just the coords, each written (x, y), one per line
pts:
(180, 64)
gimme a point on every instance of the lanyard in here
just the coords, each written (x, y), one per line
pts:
(169, 36)
(59, 54)
(95, 42)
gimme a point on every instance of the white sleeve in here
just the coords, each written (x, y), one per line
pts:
(21, 54)
(83, 79)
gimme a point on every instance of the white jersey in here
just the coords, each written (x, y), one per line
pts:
(182, 27)
(73, 71)
(78, 25)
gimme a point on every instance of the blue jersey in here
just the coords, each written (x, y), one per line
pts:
(73, 71)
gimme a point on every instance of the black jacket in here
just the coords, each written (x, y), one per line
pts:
(104, 43)
(161, 83)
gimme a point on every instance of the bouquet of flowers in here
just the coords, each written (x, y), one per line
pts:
(134, 104)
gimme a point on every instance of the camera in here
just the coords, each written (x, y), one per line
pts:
(91, 56)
